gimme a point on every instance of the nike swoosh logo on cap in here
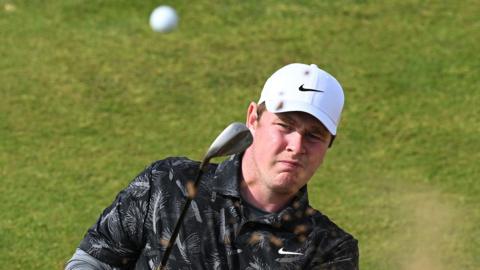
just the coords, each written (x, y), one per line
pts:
(283, 252)
(308, 89)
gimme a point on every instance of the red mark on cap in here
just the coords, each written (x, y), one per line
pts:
(279, 105)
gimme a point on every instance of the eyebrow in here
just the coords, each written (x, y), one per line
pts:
(317, 128)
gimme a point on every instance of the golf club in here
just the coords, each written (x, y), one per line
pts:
(234, 139)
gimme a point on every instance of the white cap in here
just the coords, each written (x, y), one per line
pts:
(305, 88)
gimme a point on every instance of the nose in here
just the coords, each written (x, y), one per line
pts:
(295, 143)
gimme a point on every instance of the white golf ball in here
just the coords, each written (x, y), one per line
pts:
(163, 19)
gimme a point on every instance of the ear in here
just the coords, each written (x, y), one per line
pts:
(252, 116)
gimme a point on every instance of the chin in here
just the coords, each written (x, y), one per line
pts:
(287, 191)
(285, 186)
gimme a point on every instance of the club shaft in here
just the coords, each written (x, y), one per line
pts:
(176, 230)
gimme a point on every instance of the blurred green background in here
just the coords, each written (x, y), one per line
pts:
(89, 96)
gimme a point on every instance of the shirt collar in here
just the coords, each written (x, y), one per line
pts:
(227, 176)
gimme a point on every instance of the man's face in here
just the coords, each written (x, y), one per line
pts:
(287, 149)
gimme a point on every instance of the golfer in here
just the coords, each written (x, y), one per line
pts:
(250, 211)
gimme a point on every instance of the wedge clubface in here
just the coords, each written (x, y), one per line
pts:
(233, 139)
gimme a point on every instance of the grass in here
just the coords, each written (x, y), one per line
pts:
(90, 96)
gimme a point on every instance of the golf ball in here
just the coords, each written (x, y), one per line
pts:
(163, 19)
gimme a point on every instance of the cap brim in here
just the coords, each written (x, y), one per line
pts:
(279, 106)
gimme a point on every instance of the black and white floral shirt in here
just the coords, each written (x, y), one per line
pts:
(220, 231)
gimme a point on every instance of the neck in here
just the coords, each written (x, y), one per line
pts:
(263, 200)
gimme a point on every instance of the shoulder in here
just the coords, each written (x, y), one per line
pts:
(334, 247)
(171, 167)
(326, 228)
(161, 173)
(173, 163)
(173, 172)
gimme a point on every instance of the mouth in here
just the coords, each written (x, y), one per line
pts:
(291, 164)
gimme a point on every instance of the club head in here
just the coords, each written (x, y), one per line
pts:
(234, 139)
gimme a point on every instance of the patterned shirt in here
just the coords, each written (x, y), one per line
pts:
(219, 231)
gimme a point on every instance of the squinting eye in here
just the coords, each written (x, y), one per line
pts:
(284, 126)
(316, 137)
